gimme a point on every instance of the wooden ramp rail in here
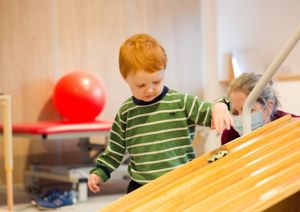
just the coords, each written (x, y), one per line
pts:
(261, 169)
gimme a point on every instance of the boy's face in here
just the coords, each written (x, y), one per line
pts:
(144, 85)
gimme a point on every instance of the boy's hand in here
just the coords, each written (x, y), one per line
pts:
(221, 117)
(94, 183)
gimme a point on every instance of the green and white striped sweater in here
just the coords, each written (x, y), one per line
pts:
(157, 136)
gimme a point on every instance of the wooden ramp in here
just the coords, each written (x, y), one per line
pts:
(261, 169)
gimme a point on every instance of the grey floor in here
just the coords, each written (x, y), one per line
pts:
(110, 192)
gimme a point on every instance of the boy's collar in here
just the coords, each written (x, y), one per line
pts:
(158, 98)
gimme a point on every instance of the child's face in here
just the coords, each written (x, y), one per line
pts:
(144, 85)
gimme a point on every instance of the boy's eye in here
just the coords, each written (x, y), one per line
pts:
(156, 82)
(140, 86)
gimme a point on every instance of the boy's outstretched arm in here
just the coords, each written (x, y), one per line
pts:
(110, 159)
(221, 117)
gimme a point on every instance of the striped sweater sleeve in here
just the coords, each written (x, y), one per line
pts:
(200, 112)
(113, 155)
(197, 111)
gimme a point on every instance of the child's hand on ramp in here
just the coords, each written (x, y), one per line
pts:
(221, 117)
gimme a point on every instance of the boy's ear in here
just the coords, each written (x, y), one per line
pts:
(124, 78)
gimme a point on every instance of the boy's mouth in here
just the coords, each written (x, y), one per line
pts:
(148, 97)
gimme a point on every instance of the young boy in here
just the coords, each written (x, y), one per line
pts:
(156, 125)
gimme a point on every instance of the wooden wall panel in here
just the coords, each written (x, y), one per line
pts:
(26, 70)
(177, 25)
(40, 41)
(90, 35)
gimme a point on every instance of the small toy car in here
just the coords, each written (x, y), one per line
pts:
(217, 156)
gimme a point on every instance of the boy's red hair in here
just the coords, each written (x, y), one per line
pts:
(141, 52)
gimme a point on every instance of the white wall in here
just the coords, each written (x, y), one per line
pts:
(209, 65)
(289, 96)
(260, 28)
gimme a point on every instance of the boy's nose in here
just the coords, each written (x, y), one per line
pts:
(150, 89)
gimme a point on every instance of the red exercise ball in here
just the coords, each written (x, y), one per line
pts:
(79, 96)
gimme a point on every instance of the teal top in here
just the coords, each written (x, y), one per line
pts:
(157, 135)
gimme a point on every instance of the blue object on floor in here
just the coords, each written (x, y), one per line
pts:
(49, 193)
(54, 199)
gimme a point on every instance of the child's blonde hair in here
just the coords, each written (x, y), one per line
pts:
(141, 52)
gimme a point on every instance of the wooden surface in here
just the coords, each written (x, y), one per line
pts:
(5, 111)
(261, 169)
(288, 77)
